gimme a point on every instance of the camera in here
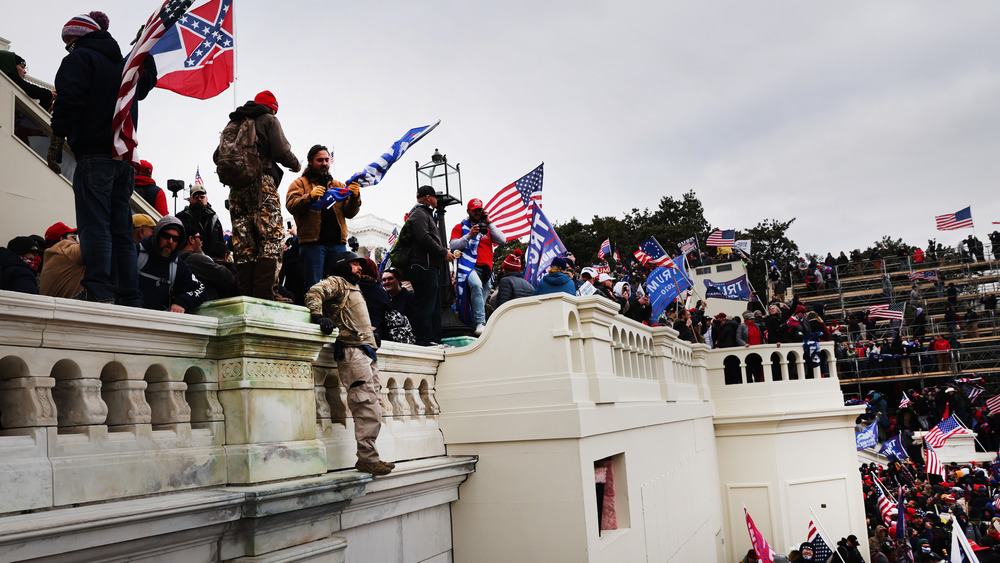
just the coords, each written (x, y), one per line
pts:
(483, 227)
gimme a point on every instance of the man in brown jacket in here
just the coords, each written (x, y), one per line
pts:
(62, 268)
(322, 234)
(255, 209)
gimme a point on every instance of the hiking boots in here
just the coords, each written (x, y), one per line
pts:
(377, 468)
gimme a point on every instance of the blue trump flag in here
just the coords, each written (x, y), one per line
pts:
(737, 289)
(372, 174)
(893, 449)
(543, 246)
(866, 438)
(664, 285)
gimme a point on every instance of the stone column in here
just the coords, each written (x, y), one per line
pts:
(266, 386)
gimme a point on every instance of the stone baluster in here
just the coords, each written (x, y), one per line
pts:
(416, 406)
(397, 400)
(428, 396)
(127, 404)
(26, 402)
(203, 400)
(168, 404)
(79, 403)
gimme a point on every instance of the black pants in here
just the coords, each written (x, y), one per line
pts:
(425, 313)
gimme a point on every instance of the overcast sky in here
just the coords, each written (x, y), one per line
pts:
(858, 119)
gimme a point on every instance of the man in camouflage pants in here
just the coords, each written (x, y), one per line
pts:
(255, 209)
(337, 301)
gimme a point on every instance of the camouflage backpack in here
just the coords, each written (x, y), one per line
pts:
(237, 161)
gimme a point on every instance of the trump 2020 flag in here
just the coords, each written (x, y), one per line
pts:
(735, 290)
(664, 285)
(760, 547)
(866, 438)
(195, 57)
(543, 247)
(372, 174)
(893, 449)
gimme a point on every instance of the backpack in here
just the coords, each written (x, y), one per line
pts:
(238, 162)
(402, 252)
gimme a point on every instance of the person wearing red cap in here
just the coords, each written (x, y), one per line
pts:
(255, 209)
(63, 264)
(475, 236)
(147, 189)
(88, 80)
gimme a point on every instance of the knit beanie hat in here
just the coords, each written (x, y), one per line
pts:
(513, 261)
(558, 264)
(266, 98)
(85, 23)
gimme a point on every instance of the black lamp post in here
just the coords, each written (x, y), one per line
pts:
(446, 179)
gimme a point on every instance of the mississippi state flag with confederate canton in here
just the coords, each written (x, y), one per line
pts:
(510, 208)
(760, 547)
(195, 57)
(122, 124)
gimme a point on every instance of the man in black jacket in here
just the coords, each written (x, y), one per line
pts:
(218, 280)
(88, 81)
(199, 212)
(165, 281)
(425, 267)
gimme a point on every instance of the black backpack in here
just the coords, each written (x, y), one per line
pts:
(237, 161)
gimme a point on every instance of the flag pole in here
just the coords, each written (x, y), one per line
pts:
(825, 535)
(962, 424)
(236, 60)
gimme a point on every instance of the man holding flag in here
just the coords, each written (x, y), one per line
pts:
(88, 82)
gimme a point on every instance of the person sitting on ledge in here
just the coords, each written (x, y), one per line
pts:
(63, 269)
(556, 280)
(16, 270)
(337, 301)
(165, 281)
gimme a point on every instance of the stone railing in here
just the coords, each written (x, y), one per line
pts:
(772, 378)
(100, 402)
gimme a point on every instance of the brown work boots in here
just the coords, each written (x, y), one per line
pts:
(377, 468)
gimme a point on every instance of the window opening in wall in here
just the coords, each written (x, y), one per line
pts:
(723, 267)
(609, 483)
(703, 271)
(35, 134)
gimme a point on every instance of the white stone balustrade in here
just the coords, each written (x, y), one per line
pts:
(100, 402)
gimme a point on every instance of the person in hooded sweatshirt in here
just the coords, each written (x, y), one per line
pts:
(556, 279)
(88, 81)
(147, 189)
(165, 281)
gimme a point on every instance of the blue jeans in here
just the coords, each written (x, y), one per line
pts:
(425, 308)
(478, 292)
(102, 188)
(317, 258)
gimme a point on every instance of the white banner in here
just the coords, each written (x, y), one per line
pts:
(744, 246)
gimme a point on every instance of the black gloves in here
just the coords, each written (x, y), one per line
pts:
(325, 324)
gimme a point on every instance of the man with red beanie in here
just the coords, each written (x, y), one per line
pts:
(147, 189)
(475, 236)
(88, 80)
(258, 234)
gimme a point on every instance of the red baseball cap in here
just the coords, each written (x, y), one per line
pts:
(475, 203)
(56, 232)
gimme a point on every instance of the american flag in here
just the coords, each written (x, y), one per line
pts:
(197, 177)
(996, 504)
(933, 464)
(392, 236)
(929, 275)
(944, 430)
(890, 311)
(885, 506)
(993, 403)
(821, 551)
(973, 391)
(721, 238)
(650, 251)
(510, 208)
(764, 552)
(959, 220)
(122, 124)
(605, 249)
(905, 402)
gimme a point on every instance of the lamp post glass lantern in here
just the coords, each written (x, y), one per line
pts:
(446, 179)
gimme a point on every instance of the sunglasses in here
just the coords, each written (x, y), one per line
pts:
(170, 237)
